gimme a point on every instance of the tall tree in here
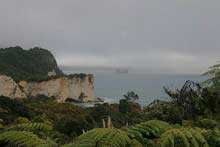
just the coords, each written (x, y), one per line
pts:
(131, 96)
(214, 75)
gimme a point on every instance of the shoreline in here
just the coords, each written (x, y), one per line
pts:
(97, 100)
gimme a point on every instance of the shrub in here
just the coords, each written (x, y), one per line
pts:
(105, 137)
(13, 109)
(18, 63)
(207, 123)
(185, 137)
(145, 131)
(21, 120)
(124, 106)
(213, 137)
(22, 138)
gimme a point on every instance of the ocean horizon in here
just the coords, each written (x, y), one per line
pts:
(112, 86)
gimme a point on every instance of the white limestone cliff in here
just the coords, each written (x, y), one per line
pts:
(75, 87)
(63, 88)
(9, 88)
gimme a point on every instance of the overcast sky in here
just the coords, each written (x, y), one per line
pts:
(159, 36)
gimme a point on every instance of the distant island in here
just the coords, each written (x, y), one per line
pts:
(117, 70)
(121, 71)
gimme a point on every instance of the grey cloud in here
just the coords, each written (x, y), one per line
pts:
(136, 33)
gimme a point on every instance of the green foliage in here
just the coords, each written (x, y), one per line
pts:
(214, 75)
(183, 137)
(124, 106)
(71, 126)
(211, 99)
(189, 98)
(80, 76)
(23, 138)
(131, 96)
(1, 124)
(208, 123)
(152, 129)
(102, 111)
(174, 137)
(44, 131)
(42, 119)
(165, 111)
(63, 116)
(33, 64)
(59, 123)
(31, 127)
(104, 137)
(198, 100)
(212, 92)
(21, 120)
(213, 137)
(12, 109)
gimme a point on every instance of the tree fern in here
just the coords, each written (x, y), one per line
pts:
(23, 138)
(183, 137)
(104, 137)
(148, 130)
(213, 137)
(198, 136)
(32, 127)
(82, 144)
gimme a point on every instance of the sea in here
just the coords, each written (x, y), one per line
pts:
(113, 86)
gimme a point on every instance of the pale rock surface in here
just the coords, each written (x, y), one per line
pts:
(51, 73)
(9, 88)
(61, 88)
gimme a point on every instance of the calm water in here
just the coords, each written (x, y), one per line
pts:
(148, 86)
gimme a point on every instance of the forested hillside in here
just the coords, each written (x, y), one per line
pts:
(33, 64)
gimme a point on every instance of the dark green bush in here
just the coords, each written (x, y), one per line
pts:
(33, 64)
(208, 123)
(124, 106)
(13, 109)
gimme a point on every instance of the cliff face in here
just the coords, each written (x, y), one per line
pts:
(9, 88)
(63, 88)
(37, 72)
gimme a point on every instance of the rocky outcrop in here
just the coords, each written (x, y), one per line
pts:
(38, 74)
(9, 88)
(76, 87)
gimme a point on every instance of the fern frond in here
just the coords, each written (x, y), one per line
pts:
(198, 137)
(174, 137)
(213, 137)
(148, 130)
(31, 127)
(23, 138)
(103, 137)
(187, 137)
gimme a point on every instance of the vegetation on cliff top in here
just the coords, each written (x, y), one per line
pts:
(33, 64)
